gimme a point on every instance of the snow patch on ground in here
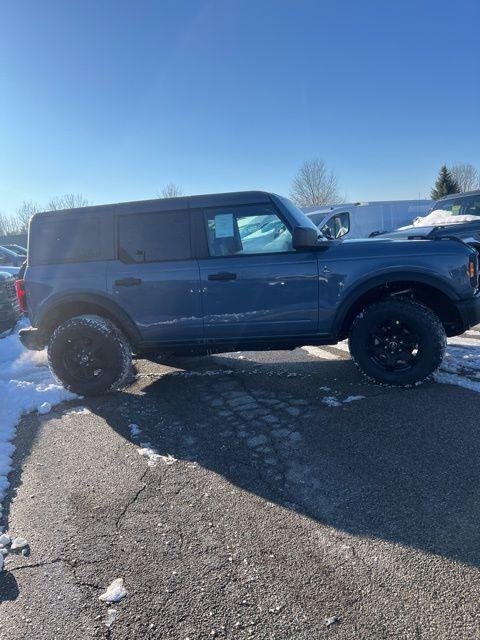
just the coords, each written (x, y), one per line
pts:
(115, 592)
(330, 401)
(353, 398)
(77, 411)
(26, 384)
(147, 451)
(461, 365)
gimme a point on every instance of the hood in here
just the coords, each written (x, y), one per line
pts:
(468, 232)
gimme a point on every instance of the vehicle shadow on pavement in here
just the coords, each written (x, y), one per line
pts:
(8, 587)
(397, 465)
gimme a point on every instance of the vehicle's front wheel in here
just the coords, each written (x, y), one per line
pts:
(89, 355)
(397, 342)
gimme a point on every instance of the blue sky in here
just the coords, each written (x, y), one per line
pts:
(114, 99)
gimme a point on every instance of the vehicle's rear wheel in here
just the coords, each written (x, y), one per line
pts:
(89, 355)
(397, 342)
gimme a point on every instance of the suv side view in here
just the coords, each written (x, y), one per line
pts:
(235, 271)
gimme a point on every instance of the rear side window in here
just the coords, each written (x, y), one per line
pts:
(67, 240)
(153, 237)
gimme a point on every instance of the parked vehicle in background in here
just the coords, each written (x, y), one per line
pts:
(457, 216)
(9, 305)
(10, 258)
(14, 271)
(16, 248)
(457, 208)
(236, 271)
(362, 219)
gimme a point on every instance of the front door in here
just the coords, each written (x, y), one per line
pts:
(254, 284)
(155, 279)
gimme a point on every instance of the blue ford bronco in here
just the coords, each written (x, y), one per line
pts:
(235, 271)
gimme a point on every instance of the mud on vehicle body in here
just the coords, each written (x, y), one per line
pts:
(236, 271)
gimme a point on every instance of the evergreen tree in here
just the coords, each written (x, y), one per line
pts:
(445, 184)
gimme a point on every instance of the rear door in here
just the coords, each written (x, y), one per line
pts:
(254, 284)
(155, 279)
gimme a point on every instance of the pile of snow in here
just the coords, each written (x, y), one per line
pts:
(26, 384)
(441, 216)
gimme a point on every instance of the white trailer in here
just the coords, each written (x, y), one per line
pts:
(361, 219)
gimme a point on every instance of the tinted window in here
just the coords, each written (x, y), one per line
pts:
(152, 237)
(67, 240)
(246, 230)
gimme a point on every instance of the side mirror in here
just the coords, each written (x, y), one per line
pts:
(304, 237)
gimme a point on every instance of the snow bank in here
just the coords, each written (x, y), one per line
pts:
(26, 384)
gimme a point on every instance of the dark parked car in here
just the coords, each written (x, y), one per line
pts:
(10, 258)
(16, 248)
(456, 216)
(9, 306)
(223, 272)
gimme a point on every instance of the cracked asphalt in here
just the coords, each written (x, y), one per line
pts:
(273, 507)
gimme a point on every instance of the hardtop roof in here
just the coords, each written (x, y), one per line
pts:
(169, 204)
(463, 194)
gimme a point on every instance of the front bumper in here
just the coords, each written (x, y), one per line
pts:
(32, 339)
(469, 311)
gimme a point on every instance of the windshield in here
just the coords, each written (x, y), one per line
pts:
(464, 206)
(451, 211)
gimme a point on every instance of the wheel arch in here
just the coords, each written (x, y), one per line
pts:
(62, 308)
(431, 291)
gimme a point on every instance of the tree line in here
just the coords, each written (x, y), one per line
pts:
(18, 223)
(313, 185)
(316, 185)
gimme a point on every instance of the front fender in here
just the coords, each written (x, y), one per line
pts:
(385, 277)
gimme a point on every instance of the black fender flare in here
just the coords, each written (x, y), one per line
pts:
(384, 279)
(110, 308)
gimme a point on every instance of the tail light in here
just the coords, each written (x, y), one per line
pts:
(21, 295)
(473, 270)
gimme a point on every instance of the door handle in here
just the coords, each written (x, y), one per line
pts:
(223, 275)
(128, 282)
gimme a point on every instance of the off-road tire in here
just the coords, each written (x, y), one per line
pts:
(428, 326)
(115, 350)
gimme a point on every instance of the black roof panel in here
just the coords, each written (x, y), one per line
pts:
(464, 194)
(169, 204)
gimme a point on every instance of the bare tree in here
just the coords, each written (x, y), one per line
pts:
(171, 190)
(9, 225)
(467, 176)
(314, 184)
(24, 212)
(67, 201)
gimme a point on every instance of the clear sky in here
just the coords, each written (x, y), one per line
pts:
(115, 98)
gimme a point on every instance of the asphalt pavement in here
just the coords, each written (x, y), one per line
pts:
(275, 495)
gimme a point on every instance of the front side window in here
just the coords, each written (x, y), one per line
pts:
(337, 226)
(246, 230)
(154, 237)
